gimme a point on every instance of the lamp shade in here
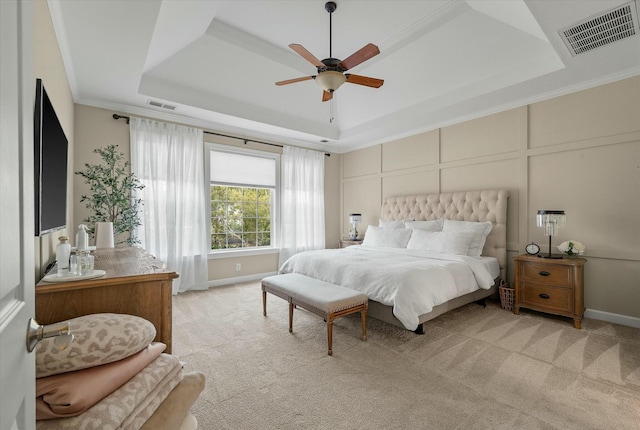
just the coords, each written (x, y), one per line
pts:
(330, 80)
(355, 218)
(551, 220)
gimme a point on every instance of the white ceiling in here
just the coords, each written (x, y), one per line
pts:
(442, 61)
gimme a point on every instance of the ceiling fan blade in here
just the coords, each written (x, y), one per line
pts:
(360, 56)
(306, 54)
(326, 96)
(291, 81)
(364, 80)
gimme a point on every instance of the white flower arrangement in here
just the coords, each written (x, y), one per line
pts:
(572, 247)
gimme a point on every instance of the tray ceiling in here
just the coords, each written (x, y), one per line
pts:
(216, 62)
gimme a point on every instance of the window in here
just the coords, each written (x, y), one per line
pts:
(243, 198)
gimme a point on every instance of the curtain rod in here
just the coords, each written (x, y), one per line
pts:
(116, 117)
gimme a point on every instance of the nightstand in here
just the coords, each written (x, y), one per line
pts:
(343, 243)
(550, 285)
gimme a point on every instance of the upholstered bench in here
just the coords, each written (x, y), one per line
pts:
(327, 300)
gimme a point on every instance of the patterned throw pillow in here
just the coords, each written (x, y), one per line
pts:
(98, 339)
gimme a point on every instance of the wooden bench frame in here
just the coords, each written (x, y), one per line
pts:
(327, 316)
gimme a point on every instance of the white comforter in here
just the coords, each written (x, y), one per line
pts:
(413, 282)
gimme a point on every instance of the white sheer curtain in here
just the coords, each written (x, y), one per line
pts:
(302, 201)
(169, 160)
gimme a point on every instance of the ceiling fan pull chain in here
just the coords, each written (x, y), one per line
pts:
(331, 117)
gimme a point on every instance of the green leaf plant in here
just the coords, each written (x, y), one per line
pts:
(112, 195)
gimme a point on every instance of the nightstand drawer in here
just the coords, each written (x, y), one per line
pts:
(547, 273)
(547, 297)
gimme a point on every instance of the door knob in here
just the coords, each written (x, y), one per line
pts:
(36, 332)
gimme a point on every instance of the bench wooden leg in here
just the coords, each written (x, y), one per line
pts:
(290, 317)
(264, 302)
(363, 314)
(330, 334)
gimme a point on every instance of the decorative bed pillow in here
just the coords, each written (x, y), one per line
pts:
(97, 339)
(391, 224)
(431, 225)
(480, 231)
(385, 237)
(440, 241)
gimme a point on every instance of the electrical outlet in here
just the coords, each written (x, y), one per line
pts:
(238, 267)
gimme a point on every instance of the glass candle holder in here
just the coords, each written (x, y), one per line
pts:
(73, 264)
(85, 263)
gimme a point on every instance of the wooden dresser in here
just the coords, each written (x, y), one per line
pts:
(555, 286)
(135, 283)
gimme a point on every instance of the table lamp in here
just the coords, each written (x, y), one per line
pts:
(551, 221)
(353, 219)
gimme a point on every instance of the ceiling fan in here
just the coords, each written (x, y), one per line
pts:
(331, 70)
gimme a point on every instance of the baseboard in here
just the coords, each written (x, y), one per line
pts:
(240, 279)
(589, 313)
(612, 318)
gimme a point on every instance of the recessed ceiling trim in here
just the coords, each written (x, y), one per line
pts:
(601, 29)
(225, 32)
(151, 86)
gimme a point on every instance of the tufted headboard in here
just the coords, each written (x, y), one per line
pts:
(486, 205)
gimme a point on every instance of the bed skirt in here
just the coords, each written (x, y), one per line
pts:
(385, 313)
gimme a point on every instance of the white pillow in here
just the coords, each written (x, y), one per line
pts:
(479, 229)
(440, 241)
(391, 224)
(385, 237)
(431, 225)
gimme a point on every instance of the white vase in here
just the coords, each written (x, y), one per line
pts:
(104, 235)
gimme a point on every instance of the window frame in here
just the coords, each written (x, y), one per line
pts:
(275, 204)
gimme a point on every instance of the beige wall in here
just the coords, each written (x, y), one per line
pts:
(48, 66)
(96, 128)
(579, 153)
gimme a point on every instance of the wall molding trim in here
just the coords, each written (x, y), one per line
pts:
(612, 318)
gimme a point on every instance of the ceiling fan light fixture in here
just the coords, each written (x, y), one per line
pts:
(331, 70)
(330, 80)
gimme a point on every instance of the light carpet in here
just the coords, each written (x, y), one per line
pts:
(474, 368)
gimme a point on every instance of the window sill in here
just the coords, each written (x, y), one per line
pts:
(242, 253)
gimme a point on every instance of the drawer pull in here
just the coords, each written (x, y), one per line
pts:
(544, 296)
(544, 273)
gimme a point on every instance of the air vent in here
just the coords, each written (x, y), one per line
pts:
(602, 29)
(161, 105)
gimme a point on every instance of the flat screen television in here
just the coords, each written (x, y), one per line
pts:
(50, 168)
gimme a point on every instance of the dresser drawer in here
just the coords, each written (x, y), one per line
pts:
(547, 273)
(547, 297)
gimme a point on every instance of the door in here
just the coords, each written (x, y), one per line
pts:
(17, 87)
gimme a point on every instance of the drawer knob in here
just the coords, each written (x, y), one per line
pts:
(544, 273)
(544, 296)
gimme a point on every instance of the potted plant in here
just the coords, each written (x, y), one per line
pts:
(112, 195)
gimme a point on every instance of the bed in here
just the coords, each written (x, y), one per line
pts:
(424, 258)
